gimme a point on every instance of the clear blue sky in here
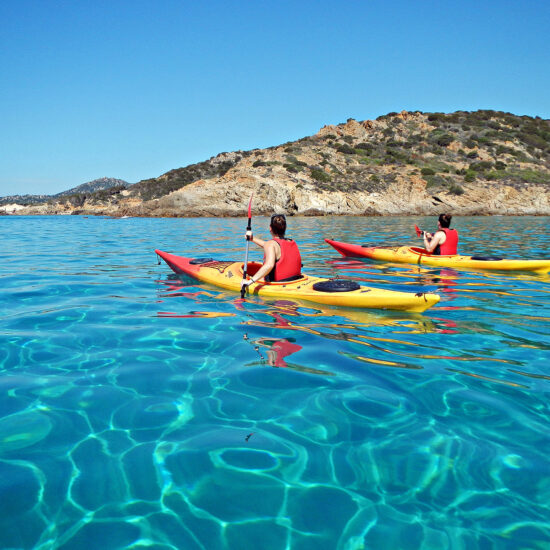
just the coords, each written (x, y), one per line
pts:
(131, 89)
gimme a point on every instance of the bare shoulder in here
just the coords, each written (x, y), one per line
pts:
(273, 246)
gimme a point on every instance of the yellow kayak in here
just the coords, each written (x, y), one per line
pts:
(416, 255)
(335, 292)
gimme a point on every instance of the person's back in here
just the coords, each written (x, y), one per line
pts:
(445, 240)
(289, 265)
(450, 246)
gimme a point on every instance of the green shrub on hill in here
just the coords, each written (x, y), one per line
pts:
(364, 146)
(531, 176)
(470, 176)
(396, 157)
(481, 166)
(320, 175)
(435, 181)
(445, 140)
(346, 149)
(456, 189)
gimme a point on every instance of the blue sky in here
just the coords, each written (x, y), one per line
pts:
(132, 89)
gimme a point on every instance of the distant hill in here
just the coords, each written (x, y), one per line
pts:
(24, 199)
(99, 184)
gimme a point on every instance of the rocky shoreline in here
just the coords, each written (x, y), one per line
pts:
(226, 198)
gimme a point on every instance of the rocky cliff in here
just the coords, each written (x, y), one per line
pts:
(485, 162)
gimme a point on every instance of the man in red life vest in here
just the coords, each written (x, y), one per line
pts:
(282, 261)
(444, 241)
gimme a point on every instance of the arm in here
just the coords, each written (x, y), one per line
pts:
(250, 237)
(431, 241)
(270, 259)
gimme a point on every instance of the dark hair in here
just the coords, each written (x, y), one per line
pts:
(445, 220)
(278, 224)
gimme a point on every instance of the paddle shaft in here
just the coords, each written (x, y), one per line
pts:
(248, 228)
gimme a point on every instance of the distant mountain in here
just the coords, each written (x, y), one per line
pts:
(92, 186)
(99, 184)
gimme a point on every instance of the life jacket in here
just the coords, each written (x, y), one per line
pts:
(289, 265)
(450, 245)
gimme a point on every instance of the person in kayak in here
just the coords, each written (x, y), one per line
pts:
(444, 241)
(282, 260)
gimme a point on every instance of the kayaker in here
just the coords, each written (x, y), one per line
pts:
(444, 241)
(282, 260)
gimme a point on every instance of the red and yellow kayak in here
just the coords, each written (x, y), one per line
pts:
(335, 292)
(416, 255)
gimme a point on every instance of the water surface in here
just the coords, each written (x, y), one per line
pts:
(145, 410)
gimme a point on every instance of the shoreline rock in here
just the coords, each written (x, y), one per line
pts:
(214, 198)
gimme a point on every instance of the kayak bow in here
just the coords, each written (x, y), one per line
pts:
(419, 256)
(228, 275)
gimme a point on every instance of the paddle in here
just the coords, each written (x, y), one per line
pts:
(419, 232)
(248, 228)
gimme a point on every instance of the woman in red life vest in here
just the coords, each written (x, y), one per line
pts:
(444, 241)
(282, 261)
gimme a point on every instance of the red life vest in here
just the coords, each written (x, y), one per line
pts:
(450, 245)
(289, 264)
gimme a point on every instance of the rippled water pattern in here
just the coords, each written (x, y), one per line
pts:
(144, 410)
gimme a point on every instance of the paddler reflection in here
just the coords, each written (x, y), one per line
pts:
(276, 351)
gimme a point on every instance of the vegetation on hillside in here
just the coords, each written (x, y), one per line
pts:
(106, 196)
(180, 177)
(446, 150)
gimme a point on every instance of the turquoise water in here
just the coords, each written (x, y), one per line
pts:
(144, 410)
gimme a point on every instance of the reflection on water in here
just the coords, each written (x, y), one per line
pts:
(146, 410)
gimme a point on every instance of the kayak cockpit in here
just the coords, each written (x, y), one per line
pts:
(424, 252)
(253, 268)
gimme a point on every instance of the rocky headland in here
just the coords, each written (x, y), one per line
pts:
(408, 163)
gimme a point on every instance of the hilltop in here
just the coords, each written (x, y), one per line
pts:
(100, 184)
(482, 162)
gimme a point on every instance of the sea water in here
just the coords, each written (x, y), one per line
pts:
(140, 409)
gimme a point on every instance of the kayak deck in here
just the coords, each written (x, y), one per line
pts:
(228, 275)
(417, 255)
